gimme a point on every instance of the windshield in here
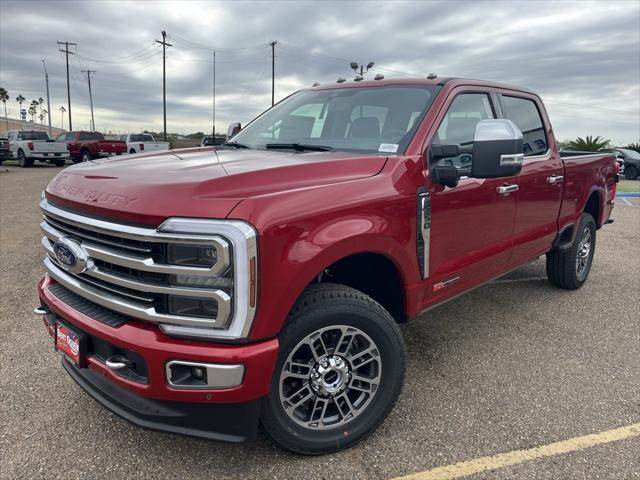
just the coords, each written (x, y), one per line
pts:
(367, 119)
(33, 135)
(141, 137)
(631, 153)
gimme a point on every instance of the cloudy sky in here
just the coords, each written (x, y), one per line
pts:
(582, 57)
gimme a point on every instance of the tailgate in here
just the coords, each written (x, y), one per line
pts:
(49, 146)
(115, 146)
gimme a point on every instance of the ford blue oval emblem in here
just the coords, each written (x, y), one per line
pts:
(70, 255)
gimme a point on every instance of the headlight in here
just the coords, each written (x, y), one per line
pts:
(229, 248)
(192, 255)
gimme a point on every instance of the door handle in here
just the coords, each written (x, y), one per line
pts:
(506, 189)
(553, 179)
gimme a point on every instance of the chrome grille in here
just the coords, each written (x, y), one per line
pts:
(126, 270)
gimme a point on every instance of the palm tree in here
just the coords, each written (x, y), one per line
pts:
(4, 96)
(589, 144)
(62, 110)
(41, 117)
(632, 146)
(33, 110)
(20, 99)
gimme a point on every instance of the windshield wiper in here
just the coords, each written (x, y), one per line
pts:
(298, 147)
(235, 144)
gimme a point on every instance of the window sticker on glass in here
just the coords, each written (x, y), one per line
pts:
(388, 147)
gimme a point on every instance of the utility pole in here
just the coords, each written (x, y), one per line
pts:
(213, 136)
(46, 78)
(164, 78)
(273, 71)
(67, 52)
(89, 72)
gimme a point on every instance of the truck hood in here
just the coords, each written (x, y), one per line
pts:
(198, 182)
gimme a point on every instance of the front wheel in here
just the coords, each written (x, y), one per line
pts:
(631, 173)
(569, 269)
(339, 373)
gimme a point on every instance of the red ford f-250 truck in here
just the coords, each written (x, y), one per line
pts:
(203, 290)
(83, 146)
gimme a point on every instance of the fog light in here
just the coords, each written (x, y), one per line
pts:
(193, 307)
(185, 375)
(197, 373)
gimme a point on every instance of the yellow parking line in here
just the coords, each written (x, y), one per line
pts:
(501, 460)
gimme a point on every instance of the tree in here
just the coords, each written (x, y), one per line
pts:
(62, 110)
(4, 96)
(40, 102)
(33, 110)
(20, 99)
(632, 146)
(589, 144)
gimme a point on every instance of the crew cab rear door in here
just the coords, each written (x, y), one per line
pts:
(540, 181)
(471, 223)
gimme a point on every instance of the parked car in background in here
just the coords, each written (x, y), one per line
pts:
(266, 280)
(143, 142)
(212, 141)
(83, 145)
(29, 145)
(631, 160)
(5, 151)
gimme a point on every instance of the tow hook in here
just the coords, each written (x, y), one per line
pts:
(117, 362)
(42, 310)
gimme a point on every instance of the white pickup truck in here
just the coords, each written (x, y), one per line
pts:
(29, 145)
(142, 142)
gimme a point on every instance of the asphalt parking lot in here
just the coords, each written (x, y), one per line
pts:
(513, 365)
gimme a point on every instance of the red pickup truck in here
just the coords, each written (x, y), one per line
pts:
(203, 290)
(84, 146)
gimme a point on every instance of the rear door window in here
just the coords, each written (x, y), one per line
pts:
(525, 114)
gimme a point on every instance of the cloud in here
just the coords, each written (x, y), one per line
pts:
(582, 57)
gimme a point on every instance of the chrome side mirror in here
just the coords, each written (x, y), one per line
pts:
(498, 149)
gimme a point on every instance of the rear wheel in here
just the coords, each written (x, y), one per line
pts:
(132, 151)
(23, 161)
(59, 162)
(339, 372)
(569, 269)
(86, 156)
(631, 172)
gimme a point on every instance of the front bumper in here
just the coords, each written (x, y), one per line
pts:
(177, 409)
(235, 422)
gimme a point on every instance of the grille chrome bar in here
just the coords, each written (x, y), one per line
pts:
(232, 288)
(136, 310)
(138, 263)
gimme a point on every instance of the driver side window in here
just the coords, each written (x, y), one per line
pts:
(458, 126)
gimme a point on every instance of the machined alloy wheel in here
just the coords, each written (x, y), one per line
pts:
(339, 372)
(569, 268)
(330, 377)
(583, 253)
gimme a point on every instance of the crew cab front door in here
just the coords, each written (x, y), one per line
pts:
(470, 235)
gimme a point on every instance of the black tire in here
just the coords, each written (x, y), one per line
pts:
(631, 172)
(23, 161)
(85, 156)
(563, 268)
(59, 162)
(323, 308)
(132, 151)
